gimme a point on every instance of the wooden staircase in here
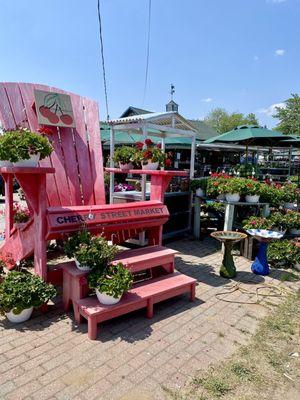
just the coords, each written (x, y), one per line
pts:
(142, 295)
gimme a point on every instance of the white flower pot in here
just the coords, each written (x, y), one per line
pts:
(5, 164)
(295, 231)
(125, 167)
(82, 267)
(106, 299)
(232, 197)
(18, 318)
(150, 166)
(199, 192)
(32, 162)
(221, 197)
(253, 198)
(290, 206)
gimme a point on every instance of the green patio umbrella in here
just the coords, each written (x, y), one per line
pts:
(250, 134)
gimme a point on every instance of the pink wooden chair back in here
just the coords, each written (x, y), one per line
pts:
(77, 155)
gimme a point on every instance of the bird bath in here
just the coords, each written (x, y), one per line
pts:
(260, 265)
(228, 269)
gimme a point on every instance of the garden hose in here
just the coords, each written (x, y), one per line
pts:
(238, 287)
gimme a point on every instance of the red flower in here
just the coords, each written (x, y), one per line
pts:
(139, 145)
(158, 145)
(148, 142)
(45, 130)
(148, 154)
(168, 162)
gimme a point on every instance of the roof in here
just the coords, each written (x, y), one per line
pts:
(159, 118)
(134, 111)
(204, 131)
(249, 133)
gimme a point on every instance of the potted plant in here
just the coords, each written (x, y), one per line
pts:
(251, 190)
(281, 253)
(124, 156)
(20, 292)
(21, 214)
(111, 284)
(90, 252)
(23, 148)
(214, 185)
(292, 219)
(199, 186)
(150, 156)
(290, 195)
(254, 222)
(232, 188)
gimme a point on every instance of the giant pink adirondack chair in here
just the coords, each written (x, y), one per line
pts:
(67, 188)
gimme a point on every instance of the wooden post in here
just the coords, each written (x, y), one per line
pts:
(8, 179)
(197, 218)
(40, 243)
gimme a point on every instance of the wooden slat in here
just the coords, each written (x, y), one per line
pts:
(82, 151)
(6, 115)
(95, 148)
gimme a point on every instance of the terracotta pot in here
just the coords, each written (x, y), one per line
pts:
(82, 267)
(232, 197)
(253, 198)
(150, 166)
(106, 299)
(125, 167)
(19, 318)
(32, 162)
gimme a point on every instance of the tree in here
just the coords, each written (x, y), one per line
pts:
(223, 121)
(289, 116)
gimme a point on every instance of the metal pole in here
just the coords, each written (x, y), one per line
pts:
(111, 164)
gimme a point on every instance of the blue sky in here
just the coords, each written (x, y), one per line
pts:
(238, 54)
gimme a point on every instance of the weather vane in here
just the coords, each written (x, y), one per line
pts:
(172, 90)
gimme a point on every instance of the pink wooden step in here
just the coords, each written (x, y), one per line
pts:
(140, 296)
(75, 283)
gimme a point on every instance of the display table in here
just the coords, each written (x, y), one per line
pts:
(229, 212)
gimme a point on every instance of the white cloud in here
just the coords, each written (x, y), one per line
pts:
(208, 100)
(255, 58)
(271, 109)
(279, 52)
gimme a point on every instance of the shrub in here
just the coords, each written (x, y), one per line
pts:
(200, 183)
(282, 253)
(20, 290)
(124, 154)
(21, 144)
(114, 281)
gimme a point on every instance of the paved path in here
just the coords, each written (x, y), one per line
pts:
(50, 357)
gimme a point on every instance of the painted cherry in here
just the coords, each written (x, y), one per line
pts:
(66, 119)
(45, 111)
(53, 118)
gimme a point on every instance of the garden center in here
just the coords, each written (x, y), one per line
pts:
(145, 255)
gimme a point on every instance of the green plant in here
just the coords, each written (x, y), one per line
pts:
(290, 193)
(200, 183)
(215, 184)
(256, 223)
(21, 144)
(233, 185)
(148, 152)
(290, 220)
(21, 214)
(92, 251)
(271, 194)
(251, 187)
(115, 280)
(21, 290)
(282, 253)
(124, 154)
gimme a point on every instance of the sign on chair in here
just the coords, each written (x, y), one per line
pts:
(54, 109)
